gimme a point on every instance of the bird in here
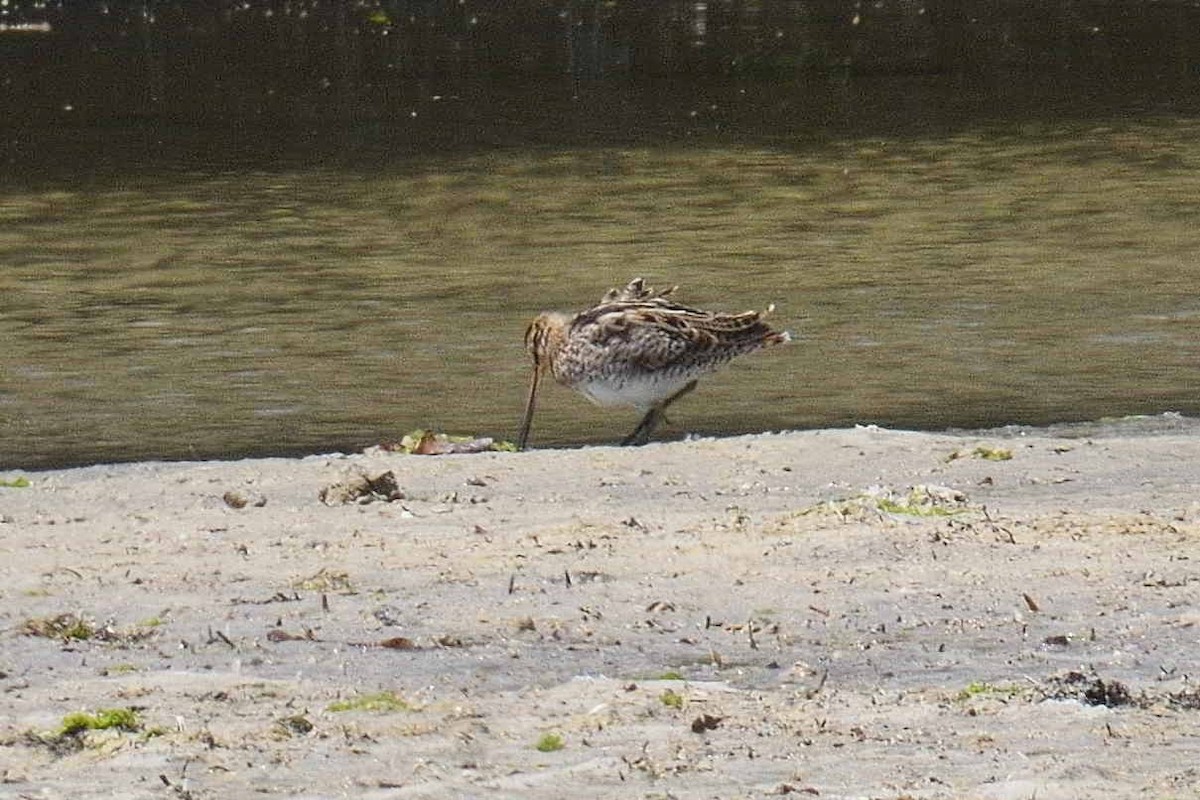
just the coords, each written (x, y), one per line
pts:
(638, 348)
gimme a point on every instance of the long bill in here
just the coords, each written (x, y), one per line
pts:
(527, 420)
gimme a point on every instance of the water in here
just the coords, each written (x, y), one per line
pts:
(202, 295)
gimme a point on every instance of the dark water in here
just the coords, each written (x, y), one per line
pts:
(943, 258)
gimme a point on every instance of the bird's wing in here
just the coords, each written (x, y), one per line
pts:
(657, 334)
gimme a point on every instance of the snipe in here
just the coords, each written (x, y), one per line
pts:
(638, 348)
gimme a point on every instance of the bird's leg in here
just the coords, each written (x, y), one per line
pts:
(641, 434)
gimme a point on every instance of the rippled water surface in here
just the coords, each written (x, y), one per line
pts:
(985, 275)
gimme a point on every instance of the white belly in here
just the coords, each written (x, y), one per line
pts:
(641, 393)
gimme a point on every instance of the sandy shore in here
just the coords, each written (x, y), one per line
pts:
(840, 614)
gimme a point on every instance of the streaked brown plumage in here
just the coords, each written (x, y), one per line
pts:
(638, 348)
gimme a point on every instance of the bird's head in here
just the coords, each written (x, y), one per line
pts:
(544, 336)
(543, 339)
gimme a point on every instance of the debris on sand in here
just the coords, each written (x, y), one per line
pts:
(325, 580)
(363, 488)
(76, 627)
(432, 443)
(886, 501)
(1089, 689)
(236, 499)
(71, 734)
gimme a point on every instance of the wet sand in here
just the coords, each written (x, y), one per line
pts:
(837, 613)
